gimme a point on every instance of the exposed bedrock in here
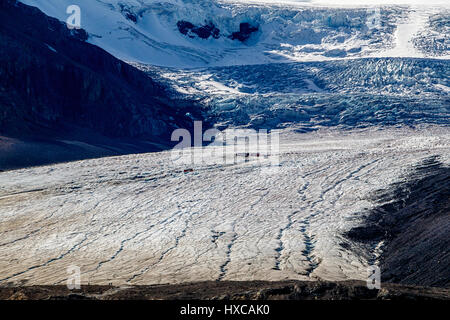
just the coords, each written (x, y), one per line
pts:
(210, 30)
(204, 32)
(244, 33)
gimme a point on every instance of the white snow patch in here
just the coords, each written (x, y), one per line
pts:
(289, 31)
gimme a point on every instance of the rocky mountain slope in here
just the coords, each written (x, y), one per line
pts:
(56, 87)
(229, 290)
(412, 221)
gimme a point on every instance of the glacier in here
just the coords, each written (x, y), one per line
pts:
(308, 95)
(146, 31)
(310, 64)
(141, 219)
(358, 109)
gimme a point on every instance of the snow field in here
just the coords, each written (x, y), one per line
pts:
(140, 219)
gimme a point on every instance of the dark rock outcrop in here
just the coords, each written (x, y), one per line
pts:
(244, 33)
(128, 13)
(203, 32)
(54, 85)
(185, 27)
(130, 16)
(413, 219)
(210, 30)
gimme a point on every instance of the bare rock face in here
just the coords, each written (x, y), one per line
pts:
(52, 80)
(210, 30)
(244, 33)
(203, 32)
(128, 13)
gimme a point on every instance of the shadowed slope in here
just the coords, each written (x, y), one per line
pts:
(54, 86)
(414, 221)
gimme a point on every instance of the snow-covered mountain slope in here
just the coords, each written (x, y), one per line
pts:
(141, 219)
(149, 31)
